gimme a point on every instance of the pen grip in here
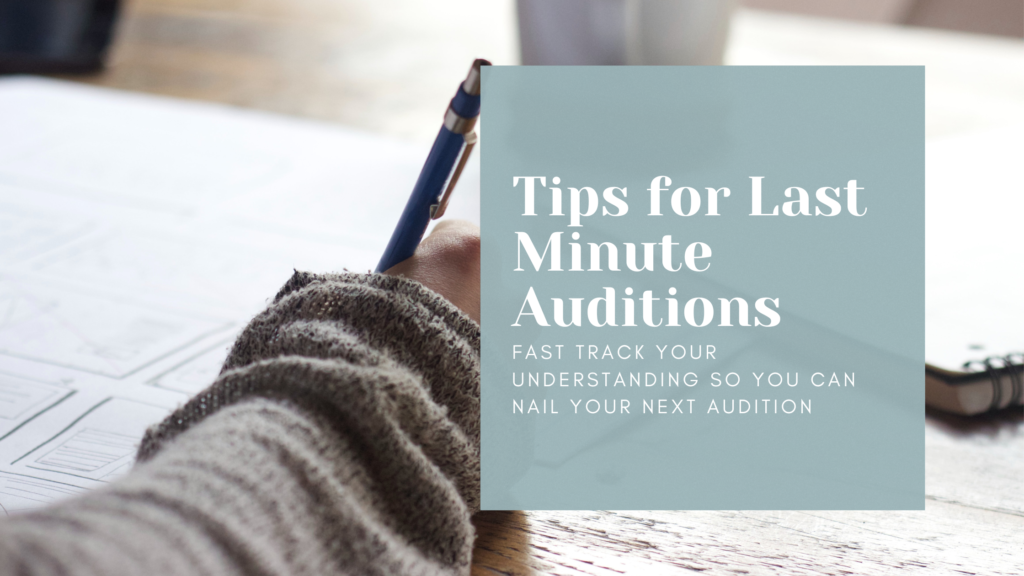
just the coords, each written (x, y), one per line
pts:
(427, 191)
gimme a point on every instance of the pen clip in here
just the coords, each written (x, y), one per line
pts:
(437, 210)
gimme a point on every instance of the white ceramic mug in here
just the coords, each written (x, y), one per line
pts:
(609, 32)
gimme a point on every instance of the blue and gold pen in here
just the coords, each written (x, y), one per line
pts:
(451, 150)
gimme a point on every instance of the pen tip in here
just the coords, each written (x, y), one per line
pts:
(472, 83)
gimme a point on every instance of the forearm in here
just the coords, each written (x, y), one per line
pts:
(341, 438)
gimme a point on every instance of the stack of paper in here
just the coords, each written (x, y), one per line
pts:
(137, 237)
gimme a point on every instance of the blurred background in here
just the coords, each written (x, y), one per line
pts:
(388, 67)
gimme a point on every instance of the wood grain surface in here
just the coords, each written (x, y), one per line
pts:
(381, 66)
(973, 523)
(388, 67)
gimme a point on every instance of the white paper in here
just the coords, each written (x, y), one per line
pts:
(974, 274)
(138, 235)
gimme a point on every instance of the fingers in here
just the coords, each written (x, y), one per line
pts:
(448, 262)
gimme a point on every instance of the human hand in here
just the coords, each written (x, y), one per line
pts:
(448, 262)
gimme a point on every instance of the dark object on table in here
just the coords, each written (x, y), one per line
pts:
(55, 36)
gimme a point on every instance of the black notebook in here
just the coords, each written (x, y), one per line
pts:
(974, 275)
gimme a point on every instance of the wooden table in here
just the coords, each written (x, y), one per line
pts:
(382, 66)
(973, 523)
(388, 67)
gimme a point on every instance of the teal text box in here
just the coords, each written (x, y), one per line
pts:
(847, 290)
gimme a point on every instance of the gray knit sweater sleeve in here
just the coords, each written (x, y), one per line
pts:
(341, 437)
